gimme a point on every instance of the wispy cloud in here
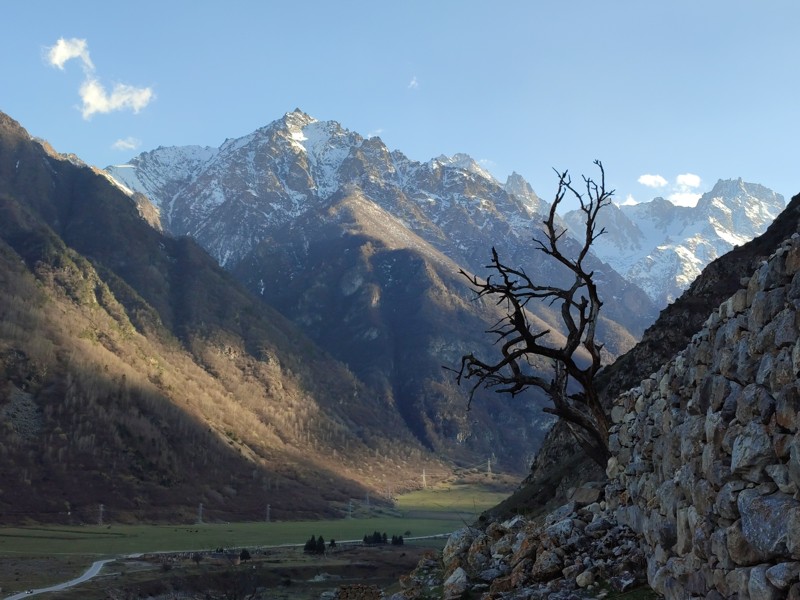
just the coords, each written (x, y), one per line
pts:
(375, 133)
(65, 50)
(653, 181)
(128, 143)
(95, 97)
(629, 201)
(413, 84)
(97, 100)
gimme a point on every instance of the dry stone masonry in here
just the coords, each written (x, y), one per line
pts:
(706, 452)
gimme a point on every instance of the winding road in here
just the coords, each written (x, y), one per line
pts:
(90, 572)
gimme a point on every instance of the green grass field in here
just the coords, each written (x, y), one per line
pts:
(425, 512)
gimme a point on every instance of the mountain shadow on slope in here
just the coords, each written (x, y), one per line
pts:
(138, 374)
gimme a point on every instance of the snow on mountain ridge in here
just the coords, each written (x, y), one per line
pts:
(465, 162)
(663, 247)
(262, 181)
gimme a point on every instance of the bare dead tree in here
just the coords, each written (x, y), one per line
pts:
(576, 361)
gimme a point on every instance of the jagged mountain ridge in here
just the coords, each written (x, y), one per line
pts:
(663, 247)
(255, 185)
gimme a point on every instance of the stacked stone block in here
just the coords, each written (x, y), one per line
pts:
(706, 452)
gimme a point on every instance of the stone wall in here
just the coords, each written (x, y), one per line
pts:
(706, 464)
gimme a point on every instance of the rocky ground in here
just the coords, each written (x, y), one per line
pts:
(576, 551)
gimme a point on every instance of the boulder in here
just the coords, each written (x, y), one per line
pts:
(456, 586)
(765, 521)
(548, 566)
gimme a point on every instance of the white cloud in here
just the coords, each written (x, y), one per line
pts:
(688, 180)
(413, 84)
(684, 198)
(97, 100)
(653, 181)
(374, 133)
(93, 94)
(128, 143)
(65, 50)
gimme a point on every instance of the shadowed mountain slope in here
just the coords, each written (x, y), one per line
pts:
(137, 374)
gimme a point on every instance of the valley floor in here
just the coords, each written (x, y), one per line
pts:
(279, 574)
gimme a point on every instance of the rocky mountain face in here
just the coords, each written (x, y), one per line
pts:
(663, 247)
(233, 198)
(362, 247)
(136, 373)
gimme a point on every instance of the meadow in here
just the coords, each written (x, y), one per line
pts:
(57, 553)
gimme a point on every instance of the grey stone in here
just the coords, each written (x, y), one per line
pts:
(456, 586)
(780, 475)
(457, 544)
(755, 403)
(758, 586)
(794, 459)
(490, 574)
(787, 405)
(737, 582)
(739, 548)
(765, 523)
(548, 565)
(751, 452)
(598, 527)
(725, 503)
(719, 548)
(686, 518)
(785, 328)
(585, 579)
(783, 372)
(783, 574)
(561, 513)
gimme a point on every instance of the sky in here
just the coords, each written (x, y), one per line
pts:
(671, 95)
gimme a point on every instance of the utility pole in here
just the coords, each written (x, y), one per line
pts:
(350, 509)
(424, 480)
(200, 513)
(489, 467)
(269, 506)
(100, 515)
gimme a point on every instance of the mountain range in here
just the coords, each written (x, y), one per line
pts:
(663, 247)
(140, 376)
(362, 247)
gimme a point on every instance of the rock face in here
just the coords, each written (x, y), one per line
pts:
(706, 450)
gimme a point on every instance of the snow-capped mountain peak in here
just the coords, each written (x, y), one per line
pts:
(663, 247)
(465, 162)
(230, 198)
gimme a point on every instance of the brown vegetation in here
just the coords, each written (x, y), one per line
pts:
(136, 375)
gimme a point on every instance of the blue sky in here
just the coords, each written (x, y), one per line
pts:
(670, 95)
